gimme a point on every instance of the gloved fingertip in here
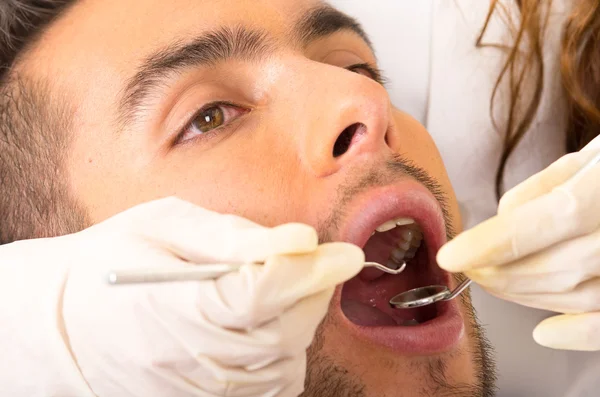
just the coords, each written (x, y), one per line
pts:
(567, 332)
(488, 244)
(488, 277)
(349, 257)
(545, 337)
(449, 257)
(294, 238)
(355, 257)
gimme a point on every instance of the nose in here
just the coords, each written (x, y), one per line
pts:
(352, 123)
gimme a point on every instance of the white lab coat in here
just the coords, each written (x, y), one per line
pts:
(427, 49)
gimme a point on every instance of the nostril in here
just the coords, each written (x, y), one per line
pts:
(342, 144)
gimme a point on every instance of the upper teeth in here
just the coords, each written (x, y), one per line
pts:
(389, 225)
(409, 243)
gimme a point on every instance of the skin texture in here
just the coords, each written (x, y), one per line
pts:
(273, 164)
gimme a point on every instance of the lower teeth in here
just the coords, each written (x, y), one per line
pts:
(409, 323)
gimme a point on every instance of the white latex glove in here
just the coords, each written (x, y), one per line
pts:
(66, 332)
(543, 250)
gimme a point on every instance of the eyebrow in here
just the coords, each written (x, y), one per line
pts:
(221, 45)
(325, 20)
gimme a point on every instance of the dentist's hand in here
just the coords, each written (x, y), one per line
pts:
(543, 250)
(242, 334)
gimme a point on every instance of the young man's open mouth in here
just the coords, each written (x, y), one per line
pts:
(395, 224)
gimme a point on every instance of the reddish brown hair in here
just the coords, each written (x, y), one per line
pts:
(580, 73)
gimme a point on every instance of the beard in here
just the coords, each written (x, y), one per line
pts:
(327, 377)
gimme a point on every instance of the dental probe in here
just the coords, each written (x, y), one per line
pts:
(198, 272)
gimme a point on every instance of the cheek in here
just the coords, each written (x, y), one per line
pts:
(416, 144)
(261, 182)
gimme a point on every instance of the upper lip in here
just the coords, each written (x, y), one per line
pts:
(408, 199)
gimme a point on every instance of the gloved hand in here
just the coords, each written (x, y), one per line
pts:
(242, 334)
(543, 250)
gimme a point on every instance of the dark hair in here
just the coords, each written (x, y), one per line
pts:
(34, 132)
(580, 73)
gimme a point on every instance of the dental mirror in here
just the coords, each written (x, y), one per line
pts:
(424, 296)
(428, 295)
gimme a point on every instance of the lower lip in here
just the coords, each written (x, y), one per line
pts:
(436, 336)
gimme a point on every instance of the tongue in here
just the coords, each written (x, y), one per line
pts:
(365, 315)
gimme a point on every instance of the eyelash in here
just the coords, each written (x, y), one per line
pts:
(374, 73)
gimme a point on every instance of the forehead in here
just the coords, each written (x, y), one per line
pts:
(106, 39)
(136, 25)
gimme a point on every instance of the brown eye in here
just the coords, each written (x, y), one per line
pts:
(209, 119)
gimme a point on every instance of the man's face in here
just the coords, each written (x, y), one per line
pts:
(265, 109)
